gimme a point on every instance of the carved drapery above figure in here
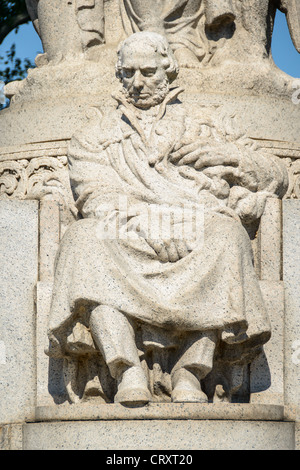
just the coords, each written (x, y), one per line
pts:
(196, 29)
(183, 23)
(257, 19)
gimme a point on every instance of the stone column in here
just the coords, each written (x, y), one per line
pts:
(19, 271)
(291, 277)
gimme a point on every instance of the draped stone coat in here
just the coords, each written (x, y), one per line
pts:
(122, 158)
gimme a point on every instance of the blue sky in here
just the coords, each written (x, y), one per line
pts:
(285, 55)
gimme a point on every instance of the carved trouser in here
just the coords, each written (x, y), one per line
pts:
(115, 337)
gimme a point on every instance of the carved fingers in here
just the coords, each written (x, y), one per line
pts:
(226, 173)
(206, 156)
(169, 251)
(248, 206)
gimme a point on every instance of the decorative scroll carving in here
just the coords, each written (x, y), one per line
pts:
(13, 179)
(294, 177)
(39, 178)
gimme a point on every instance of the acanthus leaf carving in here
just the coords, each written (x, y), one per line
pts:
(294, 178)
(39, 178)
(13, 179)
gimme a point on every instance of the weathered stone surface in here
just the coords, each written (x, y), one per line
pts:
(291, 278)
(173, 325)
(19, 273)
(155, 435)
(270, 242)
(219, 46)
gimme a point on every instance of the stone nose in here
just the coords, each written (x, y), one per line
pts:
(138, 81)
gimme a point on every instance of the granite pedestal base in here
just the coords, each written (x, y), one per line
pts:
(155, 427)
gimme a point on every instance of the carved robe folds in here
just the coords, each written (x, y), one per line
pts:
(213, 288)
(179, 20)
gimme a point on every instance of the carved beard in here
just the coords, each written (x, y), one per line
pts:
(157, 98)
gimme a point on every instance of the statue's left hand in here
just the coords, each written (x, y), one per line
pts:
(248, 206)
(219, 159)
(170, 251)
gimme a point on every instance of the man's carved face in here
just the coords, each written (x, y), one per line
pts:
(144, 76)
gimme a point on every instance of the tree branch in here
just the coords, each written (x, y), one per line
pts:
(15, 21)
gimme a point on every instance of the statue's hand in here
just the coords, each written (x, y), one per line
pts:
(213, 158)
(170, 251)
(248, 206)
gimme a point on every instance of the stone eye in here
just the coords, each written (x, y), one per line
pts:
(128, 73)
(148, 72)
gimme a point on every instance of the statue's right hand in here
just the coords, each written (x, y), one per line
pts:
(170, 251)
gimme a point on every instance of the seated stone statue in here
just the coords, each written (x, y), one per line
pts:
(190, 298)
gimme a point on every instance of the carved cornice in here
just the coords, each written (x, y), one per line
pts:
(29, 151)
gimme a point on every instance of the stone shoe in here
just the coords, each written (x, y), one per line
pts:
(187, 388)
(133, 388)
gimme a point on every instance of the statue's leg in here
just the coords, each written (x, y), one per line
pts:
(115, 339)
(195, 363)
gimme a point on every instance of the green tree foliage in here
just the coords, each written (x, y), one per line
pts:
(12, 15)
(14, 68)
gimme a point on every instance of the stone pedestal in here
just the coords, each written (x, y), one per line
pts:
(156, 427)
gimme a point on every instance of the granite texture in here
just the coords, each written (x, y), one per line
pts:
(162, 411)
(19, 268)
(155, 435)
(174, 309)
(291, 278)
(221, 47)
(151, 338)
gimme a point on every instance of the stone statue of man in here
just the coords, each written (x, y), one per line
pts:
(190, 292)
(67, 28)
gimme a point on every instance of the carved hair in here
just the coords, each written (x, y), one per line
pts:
(159, 43)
